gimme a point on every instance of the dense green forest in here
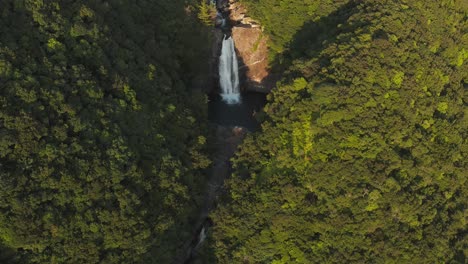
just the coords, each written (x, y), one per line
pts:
(105, 141)
(102, 130)
(363, 157)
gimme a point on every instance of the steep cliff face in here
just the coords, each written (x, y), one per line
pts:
(217, 41)
(251, 45)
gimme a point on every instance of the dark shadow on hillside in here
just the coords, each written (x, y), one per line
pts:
(29, 44)
(312, 38)
(9, 255)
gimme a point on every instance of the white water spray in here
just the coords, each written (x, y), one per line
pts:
(229, 73)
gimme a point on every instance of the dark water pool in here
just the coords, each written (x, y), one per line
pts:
(242, 114)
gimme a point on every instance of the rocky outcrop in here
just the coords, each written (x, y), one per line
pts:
(239, 16)
(252, 50)
(253, 63)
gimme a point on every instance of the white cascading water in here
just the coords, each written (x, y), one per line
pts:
(201, 237)
(229, 73)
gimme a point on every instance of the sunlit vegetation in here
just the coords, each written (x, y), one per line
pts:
(104, 141)
(363, 153)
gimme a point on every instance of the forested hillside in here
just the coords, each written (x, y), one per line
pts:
(363, 157)
(102, 136)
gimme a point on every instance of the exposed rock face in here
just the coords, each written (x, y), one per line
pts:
(252, 50)
(218, 36)
(238, 12)
(253, 53)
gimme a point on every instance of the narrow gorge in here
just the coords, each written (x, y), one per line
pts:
(233, 131)
(239, 93)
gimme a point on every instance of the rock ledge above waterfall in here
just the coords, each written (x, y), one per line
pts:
(252, 50)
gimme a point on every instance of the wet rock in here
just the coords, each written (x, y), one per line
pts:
(218, 36)
(218, 21)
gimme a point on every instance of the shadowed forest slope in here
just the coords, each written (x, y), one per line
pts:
(102, 138)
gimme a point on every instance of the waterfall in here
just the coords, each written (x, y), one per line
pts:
(229, 73)
(201, 236)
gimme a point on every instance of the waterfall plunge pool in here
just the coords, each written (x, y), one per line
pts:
(241, 114)
(231, 107)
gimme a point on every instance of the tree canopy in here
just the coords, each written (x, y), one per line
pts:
(362, 156)
(102, 137)
(363, 153)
